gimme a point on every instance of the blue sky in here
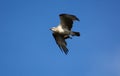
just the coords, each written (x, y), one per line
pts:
(27, 47)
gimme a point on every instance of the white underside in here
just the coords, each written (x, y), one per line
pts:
(62, 30)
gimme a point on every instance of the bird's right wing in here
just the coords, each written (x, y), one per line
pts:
(66, 20)
(60, 42)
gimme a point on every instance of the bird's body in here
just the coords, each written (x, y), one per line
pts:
(60, 29)
(63, 31)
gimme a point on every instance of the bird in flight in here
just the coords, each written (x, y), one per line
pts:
(63, 31)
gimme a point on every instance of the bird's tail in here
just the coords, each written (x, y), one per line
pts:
(75, 33)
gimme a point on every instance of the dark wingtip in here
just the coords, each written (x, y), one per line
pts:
(63, 49)
(66, 52)
(62, 14)
(72, 16)
(77, 19)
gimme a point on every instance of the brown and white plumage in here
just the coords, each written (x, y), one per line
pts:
(63, 31)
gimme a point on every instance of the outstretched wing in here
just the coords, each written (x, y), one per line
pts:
(67, 20)
(60, 42)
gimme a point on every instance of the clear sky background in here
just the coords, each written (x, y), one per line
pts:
(27, 47)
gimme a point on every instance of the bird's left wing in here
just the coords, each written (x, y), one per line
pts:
(60, 40)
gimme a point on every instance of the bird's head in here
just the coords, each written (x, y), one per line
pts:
(53, 29)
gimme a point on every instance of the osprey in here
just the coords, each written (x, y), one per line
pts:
(63, 31)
